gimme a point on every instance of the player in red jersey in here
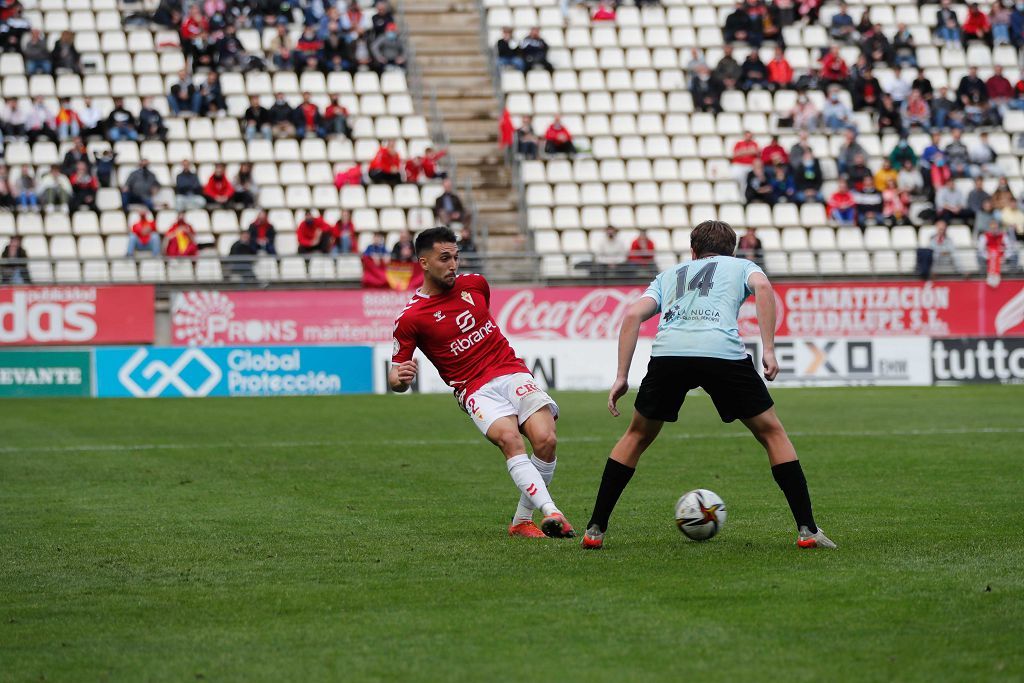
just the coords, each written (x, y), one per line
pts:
(449, 319)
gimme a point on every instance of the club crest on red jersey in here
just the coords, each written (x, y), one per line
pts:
(468, 298)
(438, 316)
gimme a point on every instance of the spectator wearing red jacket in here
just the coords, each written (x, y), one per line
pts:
(385, 166)
(181, 239)
(314, 235)
(841, 206)
(745, 150)
(641, 251)
(219, 191)
(193, 29)
(558, 138)
(308, 118)
(84, 187)
(605, 12)
(1000, 90)
(774, 154)
(425, 165)
(336, 119)
(976, 26)
(833, 68)
(344, 235)
(780, 72)
(144, 235)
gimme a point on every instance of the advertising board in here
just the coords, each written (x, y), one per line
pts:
(45, 373)
(73, 315)
(989, 360)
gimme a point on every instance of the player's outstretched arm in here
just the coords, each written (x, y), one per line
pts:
(764, 299)
(401, 375)
(629, 332)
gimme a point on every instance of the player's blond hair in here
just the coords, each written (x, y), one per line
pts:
(713, 237)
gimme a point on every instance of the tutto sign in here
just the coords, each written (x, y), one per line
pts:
(897, 309)
(150, 372)
(990, 360)
(38, 316)
(45, 373)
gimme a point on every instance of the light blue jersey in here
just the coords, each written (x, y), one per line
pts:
(699, 302)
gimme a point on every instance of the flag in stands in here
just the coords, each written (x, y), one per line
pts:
(394, 275)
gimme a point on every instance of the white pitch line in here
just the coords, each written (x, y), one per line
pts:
(85, 448)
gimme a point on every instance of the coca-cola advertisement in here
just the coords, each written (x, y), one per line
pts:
(74, 315)
(931, 309)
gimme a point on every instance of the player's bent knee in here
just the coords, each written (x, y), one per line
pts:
(509, 442)
(544, 445)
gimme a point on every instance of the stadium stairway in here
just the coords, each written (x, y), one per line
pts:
(446, 37)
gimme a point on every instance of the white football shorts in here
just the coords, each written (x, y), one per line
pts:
(517, 394)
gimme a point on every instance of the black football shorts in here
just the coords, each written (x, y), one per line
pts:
(734, 386)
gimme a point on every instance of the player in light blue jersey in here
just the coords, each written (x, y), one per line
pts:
(698, 345)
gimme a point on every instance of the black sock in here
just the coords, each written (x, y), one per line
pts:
(613, 481)
(790, 478)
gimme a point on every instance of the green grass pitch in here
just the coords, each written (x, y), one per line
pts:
(363, 538)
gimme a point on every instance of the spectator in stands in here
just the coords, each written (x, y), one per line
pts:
(983, 158)
(706, 91)
(997, 249)
(858, 174)
(753, 73)
(783, 186)
(916, 112)
(749, 247)
(25, 188)
(508, 51)
(245, 187)
(448, 207)
(144, 236)
(836, 114)
(738, 26)
(985, 213)
(897, 86)
(314, 234)
(875, 46)
(809, 178)
(976, 26)
(78, 152)
(527, 142)
(40, 122)
(262, 233)
(849, 151)
(231, 54)
(468, 258)
(91, 119)
(922, 85)
(307, 47)
(972, 89)
(774, 154)
(242, 252)
(383, 16)
(384, 168)
(256, 120)
(804, 114)
(949, 32)
(957, 156)
(780, 73)
(558, 139)
(69, 125)
(1001, 19)
(307, 118)
(64, 56)
(140, 187)
(151, 122)
(121, 123)
(193, 30)
(842, 209)
(36, 53)
(13, 265)
(604, 11)
(105, 167)
(728, 71)
(884, 174)
(211, 96)
(84, 187)
(337, 54)
(377, 250)
(889, 117)
(758, 186)
(1003, 198)
(904, 49)
(868, 202)
(610, 253)
(940, 247)
(842, 27)
(281, 118)
(950, 205)
(534, 51)
(388, 50)
(866, 91)
(943, 109)
(344, 233)
(909, 178)
(404, 248)
(219, 191)
(54, 189)
(335, 119)
(182, 95)
(641, 252)
(180, 241)
(895, 204)
(803, 144)
(833, 69)
(939, 173)
(744, 153)
(977, 197)
(999, 89)
(7, 191)
(188, 191)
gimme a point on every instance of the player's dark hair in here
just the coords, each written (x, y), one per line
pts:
(713, 237)
(426, 240)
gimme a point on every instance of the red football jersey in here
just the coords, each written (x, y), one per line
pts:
(456, 332)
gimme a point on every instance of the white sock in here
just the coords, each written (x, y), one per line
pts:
(524, 473)
(524, 513)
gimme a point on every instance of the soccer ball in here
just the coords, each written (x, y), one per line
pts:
(700, 514)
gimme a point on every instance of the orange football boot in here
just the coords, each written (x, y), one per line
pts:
(556, 525)
(525, 529)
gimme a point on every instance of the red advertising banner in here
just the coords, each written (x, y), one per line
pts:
(46, 316)
(936, 309)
